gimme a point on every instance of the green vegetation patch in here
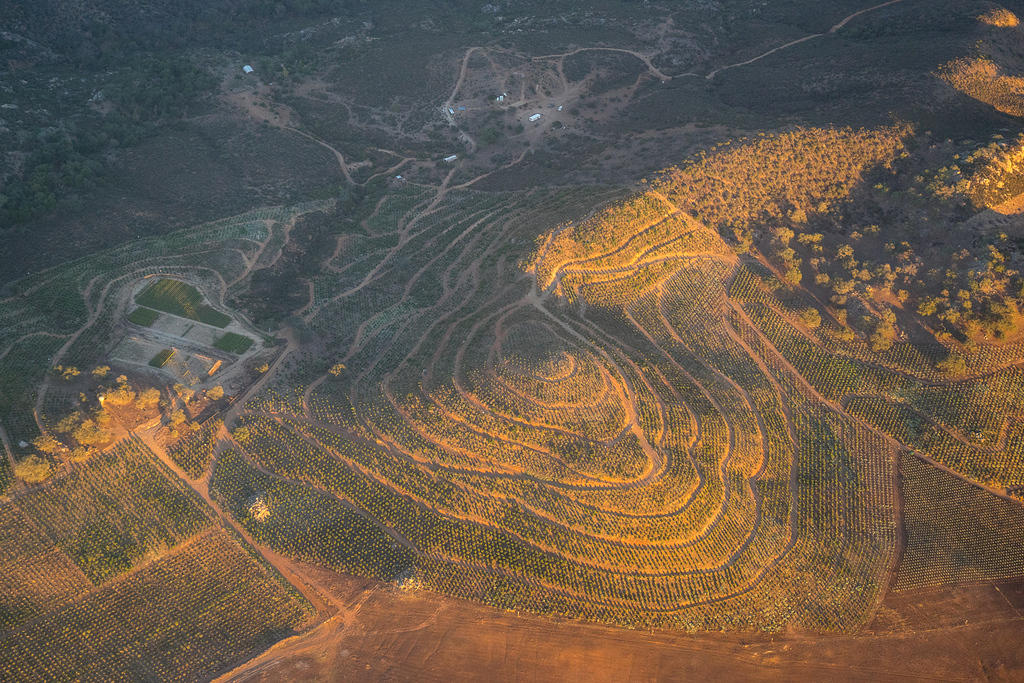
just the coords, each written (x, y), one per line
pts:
(114, 511)
(22, 368)
(233, 343)
(303, 522)
(186, 616)
(181, 299)
(143, 316)
(956, 532)
(194, 451)
(161, 359)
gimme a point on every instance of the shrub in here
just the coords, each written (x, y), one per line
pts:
(33, 470)
(148, 399)
(811, 318)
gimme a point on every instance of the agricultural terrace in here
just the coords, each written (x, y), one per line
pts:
(647, 412)
(638, 422)
(116, 570)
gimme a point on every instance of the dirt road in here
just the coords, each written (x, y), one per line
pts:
(792, 43)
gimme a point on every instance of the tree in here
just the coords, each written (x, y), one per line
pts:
(927, 307)
(33, 470)
(215, 393)
(93, 433)
(884, 334)
(68, 423)
(121, 396)
(79, 454)
(183, 392)
(811, 318)
(953, 364)
(47, 444)
(148, 399)
(783, 235)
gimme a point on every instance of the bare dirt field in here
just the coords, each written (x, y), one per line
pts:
(962, 633)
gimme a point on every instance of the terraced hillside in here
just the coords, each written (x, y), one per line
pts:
(318, 323)
(638, 411)
(113, 567)
(633, 423)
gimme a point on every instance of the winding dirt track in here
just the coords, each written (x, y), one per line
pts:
(793, 43)
(559, 58)
(337, 155)
(646, 59)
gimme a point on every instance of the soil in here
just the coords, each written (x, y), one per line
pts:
(962, 633)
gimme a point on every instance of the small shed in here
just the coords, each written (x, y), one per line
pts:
(462, 107)
(449, 159)
(450, 110)
(248, 69)
(535, 117)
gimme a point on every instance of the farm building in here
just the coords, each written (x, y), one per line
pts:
(535, 117)
(449, 159)
(247, 69)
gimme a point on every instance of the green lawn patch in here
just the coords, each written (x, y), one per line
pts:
(143, 316)
(233, 343)
(161, 359)
(181, 299)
